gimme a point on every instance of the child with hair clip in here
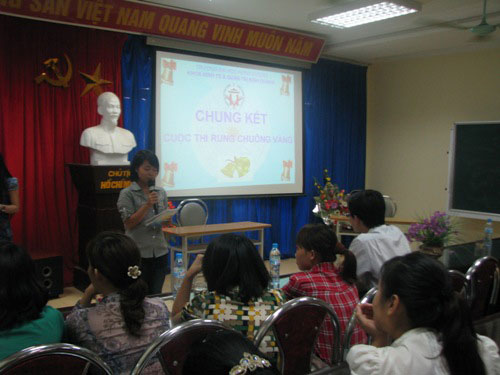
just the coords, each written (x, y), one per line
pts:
(120, 327)
(316, 253)
(419, 325)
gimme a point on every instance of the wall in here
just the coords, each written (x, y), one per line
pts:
(411, 107)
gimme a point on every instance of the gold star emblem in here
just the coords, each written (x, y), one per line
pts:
(93, 81)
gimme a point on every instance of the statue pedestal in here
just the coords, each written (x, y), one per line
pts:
(98, 190)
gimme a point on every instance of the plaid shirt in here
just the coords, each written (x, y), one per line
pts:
(243, 317)
(324, 282)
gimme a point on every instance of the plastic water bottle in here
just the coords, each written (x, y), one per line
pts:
(274, 261)
(177, 274)
(488, 236)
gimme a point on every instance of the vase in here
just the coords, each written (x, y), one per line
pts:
(434, 251)
(327, 220)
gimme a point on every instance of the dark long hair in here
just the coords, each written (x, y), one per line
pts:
(112, 254)
(323, 240)
(425, 289)
(219, 352)
(139, 158)
(232, 260)
(369, 206)
(22, 296)
(4, 175)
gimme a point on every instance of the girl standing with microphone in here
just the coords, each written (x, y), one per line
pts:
(138, 203)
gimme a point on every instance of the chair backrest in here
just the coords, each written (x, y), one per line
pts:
(53, 359)
(172, 347)
(346, 345)
(192, 211)
(390, 206)
(458, 282)
(296, 325)
(483, 279)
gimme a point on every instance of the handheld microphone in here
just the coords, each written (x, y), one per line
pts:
(155, 206)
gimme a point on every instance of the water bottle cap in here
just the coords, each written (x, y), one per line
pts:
(275, 244)
(178, 255)
(489, 221)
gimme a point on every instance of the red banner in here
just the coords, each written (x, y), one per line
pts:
(132, 17)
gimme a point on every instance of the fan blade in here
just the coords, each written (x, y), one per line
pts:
(442, 24)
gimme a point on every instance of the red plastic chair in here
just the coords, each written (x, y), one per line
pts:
(54, 359)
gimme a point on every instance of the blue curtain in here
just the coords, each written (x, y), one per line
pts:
(137, 86)
(334, 95)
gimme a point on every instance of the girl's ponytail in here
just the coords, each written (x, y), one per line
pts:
(348, 271)
(458, 336)
(131, 306)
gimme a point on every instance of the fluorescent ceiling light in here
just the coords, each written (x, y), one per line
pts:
(354, 13)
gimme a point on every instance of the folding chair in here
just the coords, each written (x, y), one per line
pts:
(53, 359)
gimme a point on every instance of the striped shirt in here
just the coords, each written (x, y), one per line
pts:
(324, 282)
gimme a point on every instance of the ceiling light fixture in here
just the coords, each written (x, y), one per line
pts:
(355, 13)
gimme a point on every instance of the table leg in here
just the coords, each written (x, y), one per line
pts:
(261, 240)
(185, 251)
(172, 258)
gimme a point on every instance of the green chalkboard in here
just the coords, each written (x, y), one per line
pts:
(476, 168)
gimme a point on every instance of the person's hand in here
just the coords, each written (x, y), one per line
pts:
(90, 290)
(364, 317)
(88, 294)
(195, 267)
(152, 198)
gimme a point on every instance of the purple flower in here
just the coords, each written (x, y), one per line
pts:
(435, 230)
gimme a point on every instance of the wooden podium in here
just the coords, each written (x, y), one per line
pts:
(98, 189)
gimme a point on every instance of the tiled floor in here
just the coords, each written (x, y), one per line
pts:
(71, 295)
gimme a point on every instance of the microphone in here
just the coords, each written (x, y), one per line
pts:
(155, 206)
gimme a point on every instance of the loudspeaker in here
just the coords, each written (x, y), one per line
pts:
(50, 273)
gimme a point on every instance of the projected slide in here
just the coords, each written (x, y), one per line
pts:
(225, 128)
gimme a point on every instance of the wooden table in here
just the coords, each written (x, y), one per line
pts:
(202, 230)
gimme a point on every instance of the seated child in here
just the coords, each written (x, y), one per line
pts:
(315, 255)
(120, 327)
(25, 318)
(237, 288)
(419, 325)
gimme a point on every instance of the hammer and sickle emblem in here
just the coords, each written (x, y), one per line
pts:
(51, 65)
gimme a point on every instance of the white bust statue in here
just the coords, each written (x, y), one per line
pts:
(109, 144)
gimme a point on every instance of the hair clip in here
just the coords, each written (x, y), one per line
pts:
(249, 362)
(134, 272)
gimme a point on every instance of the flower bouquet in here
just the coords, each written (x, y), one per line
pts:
(330, 201)
(434, 233)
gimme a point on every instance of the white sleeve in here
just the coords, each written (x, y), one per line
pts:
(364, 360)
(488, 351)
(359, 250)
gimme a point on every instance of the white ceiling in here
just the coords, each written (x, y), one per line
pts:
(418, 34)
